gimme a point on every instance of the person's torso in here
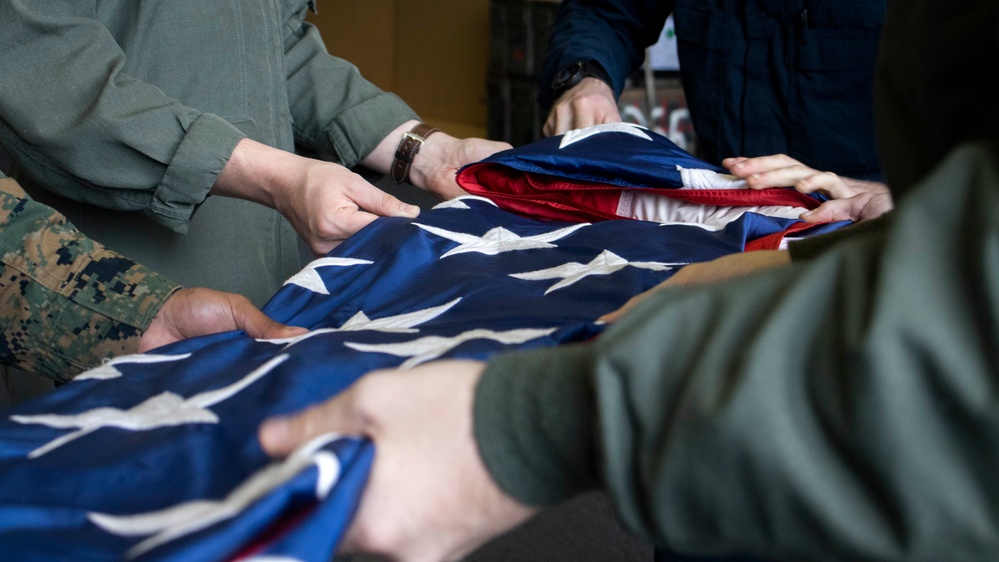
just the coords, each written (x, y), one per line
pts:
(217, 56)
(795, 77)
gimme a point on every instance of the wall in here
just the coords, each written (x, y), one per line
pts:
(432, 54)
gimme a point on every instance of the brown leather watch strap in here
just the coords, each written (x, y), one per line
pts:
(409, 146)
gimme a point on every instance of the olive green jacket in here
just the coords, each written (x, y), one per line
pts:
(126, 112)
(66, 302)
(843, 408)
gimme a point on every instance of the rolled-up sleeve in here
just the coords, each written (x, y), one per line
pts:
(83, 128)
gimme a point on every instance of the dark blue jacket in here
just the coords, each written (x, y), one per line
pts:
(761, 77)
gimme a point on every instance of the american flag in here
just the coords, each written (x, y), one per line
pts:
(155, 456)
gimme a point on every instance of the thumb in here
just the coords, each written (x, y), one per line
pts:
(259, 326)
(377, 202)
(281, 435)
(830, 211)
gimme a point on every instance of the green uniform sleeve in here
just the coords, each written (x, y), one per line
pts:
(812, 247)
(337, 113)
(840, 409)
(66, 303)
(87, 130)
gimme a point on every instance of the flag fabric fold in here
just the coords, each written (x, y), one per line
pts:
(155, 457)
(620, 171)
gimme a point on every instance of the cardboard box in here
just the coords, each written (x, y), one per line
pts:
(434, 55)
(668, 115)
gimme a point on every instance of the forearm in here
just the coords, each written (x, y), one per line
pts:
(68, 303)
(837, 410)
(260, 173)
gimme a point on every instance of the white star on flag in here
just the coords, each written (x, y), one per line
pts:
(576, 135)
(309, 278)
(184, 519)
(697, 178)
(606, 263)
(499, 240)
(425, 349)
(107, 370)
(459, 202)
(163, 410)
(401, 323)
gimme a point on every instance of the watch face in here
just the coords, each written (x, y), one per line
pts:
(566, 75)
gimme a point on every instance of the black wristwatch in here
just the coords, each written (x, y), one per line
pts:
(574, 74)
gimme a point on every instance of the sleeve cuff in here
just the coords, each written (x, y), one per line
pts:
(535, 421)
(811, 248)
(353, 134)
(192, 172)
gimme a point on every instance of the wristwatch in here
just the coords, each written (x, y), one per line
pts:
(410, 144)
(574, 74)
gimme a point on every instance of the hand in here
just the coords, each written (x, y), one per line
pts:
(198, 312)
(331, 203)
(429, 496)
(436, 165)
(720, 269)
(591, 102)
(324, 202)
(851, 199)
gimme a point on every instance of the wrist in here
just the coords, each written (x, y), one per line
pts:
(409, 149)
(257, 172)
(570, 76)
(428, 161)
(545, 454)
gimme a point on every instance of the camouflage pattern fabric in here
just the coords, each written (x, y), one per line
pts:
(66, 302)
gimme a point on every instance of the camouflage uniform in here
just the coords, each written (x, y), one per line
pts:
(66, 302)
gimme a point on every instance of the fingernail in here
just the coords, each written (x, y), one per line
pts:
(411, 210)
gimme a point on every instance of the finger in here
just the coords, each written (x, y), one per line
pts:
(790, 176)
(377, 202)
(744, 167)
(588, 111)
(608, 117)
(564, 117)
(728, 163)
(551, 124)
(831, 211)
(825, 182)
(258, 325)
(279, 436)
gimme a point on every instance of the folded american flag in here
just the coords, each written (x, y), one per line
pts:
(155, 457)
(621, 171)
